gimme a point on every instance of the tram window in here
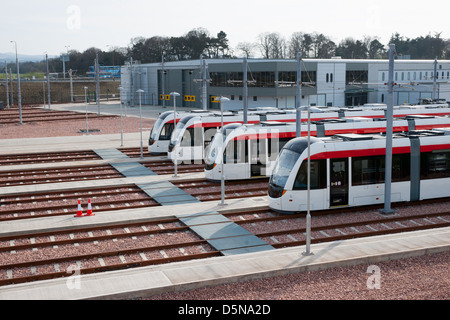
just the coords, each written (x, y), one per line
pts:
(192, 137)
(166, 131)
(371, 170)
(209, 135)
(318, 175)
(435, 165)
(401, 167)
(274, 147)
(236, 152)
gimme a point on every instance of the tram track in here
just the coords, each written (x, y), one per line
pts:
(291, 229)
(60, 174)
(40, 115)
(205, 190)
(32, 257)
(48, 255)
(57, 203)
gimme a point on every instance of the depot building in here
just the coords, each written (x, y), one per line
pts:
(272, 83)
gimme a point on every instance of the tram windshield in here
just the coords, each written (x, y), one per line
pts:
(157, 126)
(215, 148)
(283, 167)
(176, 135)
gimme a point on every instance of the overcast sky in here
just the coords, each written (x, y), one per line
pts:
(51, 25)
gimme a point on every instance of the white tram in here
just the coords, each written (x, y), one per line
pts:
(158, 142)
(194, 133)
(348, 170)
(251, 150)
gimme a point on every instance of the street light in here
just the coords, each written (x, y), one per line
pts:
(174, 95)
(121, 120)
(222, 180)
(308, 195)
(18, 83)
(140, 91)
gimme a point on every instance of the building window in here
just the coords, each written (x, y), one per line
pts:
(331, 77)
(357, 76)
(255, 98)
(289, 78)
(415, 75)
(420, 76)
(383, 77)
(328, 78)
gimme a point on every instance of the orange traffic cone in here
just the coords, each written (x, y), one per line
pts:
(79, 211)
(89, 209)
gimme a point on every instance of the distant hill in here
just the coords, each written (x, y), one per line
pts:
(11, 57)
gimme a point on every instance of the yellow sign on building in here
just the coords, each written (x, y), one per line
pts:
(161, 97)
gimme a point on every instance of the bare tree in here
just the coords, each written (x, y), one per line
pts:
(299, 42)
(272, 45)
(247, 48)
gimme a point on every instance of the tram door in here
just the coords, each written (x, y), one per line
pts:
(339, 182)
(257, 157)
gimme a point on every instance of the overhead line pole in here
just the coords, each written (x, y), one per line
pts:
(299, 96)
(204, 85)
(389, 135)
(435, 79)
(245, 79)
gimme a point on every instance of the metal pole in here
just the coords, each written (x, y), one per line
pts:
(299, 96)
(222, 179)
(43, 90)
(86, 102)
(97, 73)
(434, 80)
(163, 83)
(18, 85)
(308, 201)
(175, 94)
(121, 125)
(121, 117)
(140, 91)
(389, 134)
(12, 87)
(7, 85)
(245, 91)
(131, 87)
(71, 85)
(204, 86)
(48, 81)
(64, 66)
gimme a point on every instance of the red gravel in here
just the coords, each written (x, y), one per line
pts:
(419, 278)
(107, 125)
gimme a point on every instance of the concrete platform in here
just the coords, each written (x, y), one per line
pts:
(146, 281)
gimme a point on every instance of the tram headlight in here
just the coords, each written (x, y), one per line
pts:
(276, 191)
